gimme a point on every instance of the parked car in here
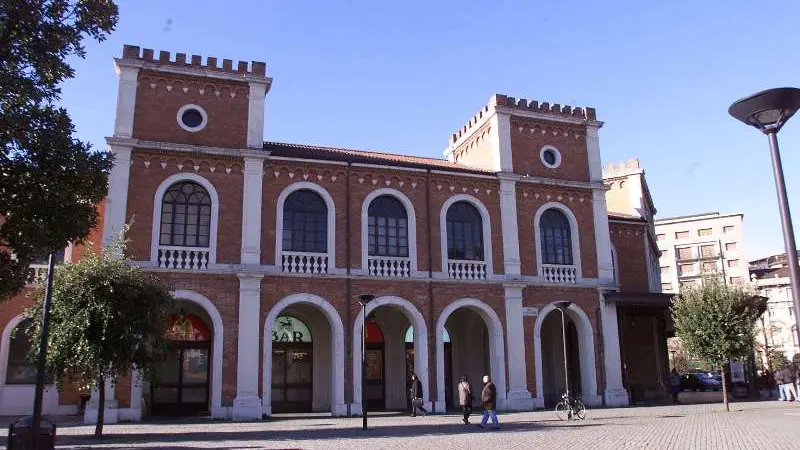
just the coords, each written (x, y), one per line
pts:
(699, 382)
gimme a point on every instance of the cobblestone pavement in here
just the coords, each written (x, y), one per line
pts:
(768, 425)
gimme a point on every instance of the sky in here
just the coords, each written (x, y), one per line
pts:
(403, 76)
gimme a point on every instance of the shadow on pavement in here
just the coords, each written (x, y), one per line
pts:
(119, 441)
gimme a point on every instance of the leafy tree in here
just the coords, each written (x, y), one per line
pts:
(50, 182)
(716, 322)
(106, 317)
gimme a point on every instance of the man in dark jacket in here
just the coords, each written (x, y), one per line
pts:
(489, 399)
(416, 396)
(779, 383)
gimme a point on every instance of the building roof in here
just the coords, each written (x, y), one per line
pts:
(691, 217)
(304, 151)
(626, 217)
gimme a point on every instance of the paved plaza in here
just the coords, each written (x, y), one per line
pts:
(768, 425)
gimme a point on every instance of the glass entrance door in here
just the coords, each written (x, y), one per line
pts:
(291, 378)
(181, 384)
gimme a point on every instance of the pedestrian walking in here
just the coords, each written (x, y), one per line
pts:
(780, 383)
(465, 398)
(790, 377)
(674, 385)
(416, 396)
(489, 399)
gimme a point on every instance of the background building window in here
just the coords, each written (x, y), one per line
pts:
(727, 229)
(681, 234)
(186, 215)
(733, 263)
(665, 270)
(387, 227)
(686, 269)
(736, 280)
(305, 222)
(704, 232)
(660, 237)
(709, 266)
(685, 253)
(464, 232)
(20, 370)
(730, 246)
(666, 286)
(556, 238)
(706, 251)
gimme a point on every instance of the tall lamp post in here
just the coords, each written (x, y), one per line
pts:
(768, 111)
(562, 306)
(39, 392)
(363, 299)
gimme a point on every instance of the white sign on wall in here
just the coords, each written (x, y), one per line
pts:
(530, 311)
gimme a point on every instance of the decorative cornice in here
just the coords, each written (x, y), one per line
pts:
(187, 148)
(193, 71)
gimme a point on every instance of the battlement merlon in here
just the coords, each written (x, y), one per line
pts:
(629, 167)
(133, 56)
(523, 107)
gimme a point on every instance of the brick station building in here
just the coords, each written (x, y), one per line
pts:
(267, 245)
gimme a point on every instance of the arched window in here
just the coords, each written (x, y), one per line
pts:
(186, 216)
(19, 369)
(305, 222)
(410, 335)
(387, 227)
(464, 232)
(556, 238)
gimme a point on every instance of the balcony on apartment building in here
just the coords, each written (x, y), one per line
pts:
(704, 252)
(697, 269)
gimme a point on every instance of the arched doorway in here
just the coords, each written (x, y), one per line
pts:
(303, 372)
(393, 315)
(553, 358)
(376, 368)
(292, 366)
(180, 386)
(409, 340)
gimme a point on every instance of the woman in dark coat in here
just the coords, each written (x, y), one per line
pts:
(416, 396)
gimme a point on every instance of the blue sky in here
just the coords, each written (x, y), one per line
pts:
(402, 76)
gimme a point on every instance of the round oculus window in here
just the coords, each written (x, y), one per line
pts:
(550, 157)
(192, 118)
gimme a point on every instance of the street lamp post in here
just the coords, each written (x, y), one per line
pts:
(363, 299)
(768, 111)
(39, 392)
(562, 306)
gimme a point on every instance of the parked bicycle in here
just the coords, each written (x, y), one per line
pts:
(570, 408)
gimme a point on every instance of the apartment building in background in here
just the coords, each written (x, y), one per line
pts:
(700, 244)
(777, 327)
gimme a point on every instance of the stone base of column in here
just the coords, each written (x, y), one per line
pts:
(538, 402)
(592, 400)
(247, 408)
(110, 414)
(355, 409)
(130, 414)
(616, 397)
(339, 410)
(440, 407)
(519, 400)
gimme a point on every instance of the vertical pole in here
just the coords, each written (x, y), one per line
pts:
(564, 342)
(786, 222)
(364, 365)
(39, 393)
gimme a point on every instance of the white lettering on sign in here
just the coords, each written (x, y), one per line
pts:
(530, 311)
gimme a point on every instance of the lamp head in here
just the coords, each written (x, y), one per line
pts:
(767, 110)
(365, 298)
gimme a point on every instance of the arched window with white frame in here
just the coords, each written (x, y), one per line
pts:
(20, 369)
(466, 238)
(185, 216)
(388, 234)
(304, 233)
(558, 252)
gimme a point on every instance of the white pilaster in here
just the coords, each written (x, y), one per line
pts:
(117, 197)
(508, 220)
(615, 394)
(502, 155)
(255, 115)
(134, 413)
(251, 213)
(111, 410)
(593, 151)
(602, 238)
(126, 101)
(247, 404)
(519, 398)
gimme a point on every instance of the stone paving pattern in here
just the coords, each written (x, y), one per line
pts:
(768, 425)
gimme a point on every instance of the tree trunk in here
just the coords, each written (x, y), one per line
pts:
(101, 408)
(725, 389)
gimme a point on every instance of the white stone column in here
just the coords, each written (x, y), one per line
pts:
(508, 219)
(602, 238)
(519, 398)
(111, 414)
(117, 197)
(126, 100)
(247, 404)
(251, 212)
(255, 115)
(615, 394)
